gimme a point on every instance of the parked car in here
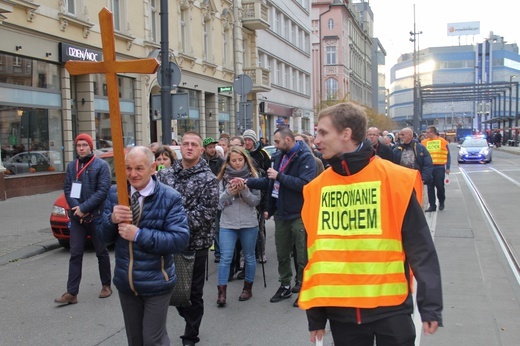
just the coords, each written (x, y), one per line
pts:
(59, 219)
(271, 149)
(475, 149)
(28, 162)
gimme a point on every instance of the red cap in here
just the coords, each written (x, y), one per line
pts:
(85, 137)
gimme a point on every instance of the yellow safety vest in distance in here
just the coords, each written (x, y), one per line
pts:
(354, 244)
(437, 149)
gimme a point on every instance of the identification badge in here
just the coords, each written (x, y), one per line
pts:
(75, 191)
(276, 189)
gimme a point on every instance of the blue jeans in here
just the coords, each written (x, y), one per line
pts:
(228, 238)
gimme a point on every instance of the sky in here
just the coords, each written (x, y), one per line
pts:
(393, 21)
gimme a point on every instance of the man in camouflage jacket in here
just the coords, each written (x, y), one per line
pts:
(198, 186)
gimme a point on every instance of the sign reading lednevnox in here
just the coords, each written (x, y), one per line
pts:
(466, 28)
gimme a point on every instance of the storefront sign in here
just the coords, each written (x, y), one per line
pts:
(69, 52)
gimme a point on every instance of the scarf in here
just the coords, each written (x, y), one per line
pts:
(351, 163)
(231, 173)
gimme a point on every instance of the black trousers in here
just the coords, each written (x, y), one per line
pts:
(393, 331)
(437, 182)
(78, 236)
(193, 314)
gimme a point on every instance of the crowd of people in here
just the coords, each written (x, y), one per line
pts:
(218, 196)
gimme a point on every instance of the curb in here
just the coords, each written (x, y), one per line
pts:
(505, 150)
(29, 251)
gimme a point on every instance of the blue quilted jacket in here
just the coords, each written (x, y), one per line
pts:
(164, 231)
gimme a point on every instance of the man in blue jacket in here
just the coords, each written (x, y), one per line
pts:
(87, 181)
(291, 170)
(146, 236)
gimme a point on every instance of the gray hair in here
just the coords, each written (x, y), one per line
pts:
(150, 157)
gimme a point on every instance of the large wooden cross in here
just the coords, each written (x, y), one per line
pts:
(110, 67)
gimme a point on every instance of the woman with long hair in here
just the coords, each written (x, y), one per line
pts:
(238, 219)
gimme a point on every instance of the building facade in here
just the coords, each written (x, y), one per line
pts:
(43, 108)
(342, 51)
(493, 61)
(284, 50)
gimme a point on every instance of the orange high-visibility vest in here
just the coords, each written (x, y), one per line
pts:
(354, 245)
(438, 149)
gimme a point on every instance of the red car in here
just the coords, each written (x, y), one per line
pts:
(59, 219)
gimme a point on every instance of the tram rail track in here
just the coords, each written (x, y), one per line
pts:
(506, 246)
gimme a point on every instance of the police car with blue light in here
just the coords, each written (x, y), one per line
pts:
(475, 149)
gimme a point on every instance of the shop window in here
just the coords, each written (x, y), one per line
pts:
(31, 140)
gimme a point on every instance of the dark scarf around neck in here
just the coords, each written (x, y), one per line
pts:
(351, 163)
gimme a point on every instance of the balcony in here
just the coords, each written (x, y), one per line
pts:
(261, 78)
(255, 14)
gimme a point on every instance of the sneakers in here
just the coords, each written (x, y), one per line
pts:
(66, 298)
(441, 206)
(106, 292)
(297, 287)
(430, 209)
(262, 259)
(281, 294)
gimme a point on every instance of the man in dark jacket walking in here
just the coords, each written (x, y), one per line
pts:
(382, 150)
(192, 177)
(412, 154)
(146, 235)
(292, 169)
(87, 181)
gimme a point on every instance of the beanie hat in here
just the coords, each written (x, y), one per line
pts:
(207, 141)
(85, 137)
(251, 135)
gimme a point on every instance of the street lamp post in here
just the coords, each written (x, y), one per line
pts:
(413, 38)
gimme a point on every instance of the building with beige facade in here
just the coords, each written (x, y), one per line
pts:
(43, 108)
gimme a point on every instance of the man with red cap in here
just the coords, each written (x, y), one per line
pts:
(87, 182)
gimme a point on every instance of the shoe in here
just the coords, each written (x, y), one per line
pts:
(241, 274)
(188, 342)
(106, 292)
(221, 299)
(262, 259)
(216, 260)
(430, 209)
(297, 287)
(295, 304)
(441, 206)
(281, 294)
(246, 291)
(67, 298)
(212, 248)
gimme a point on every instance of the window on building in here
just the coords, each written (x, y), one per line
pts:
(294, 76)
(183, 30)
(287, 77)
(225, 42)
(331, 55)
(71, 6)
(331, 86)
(279, 75)
(330, 23)
(207, 40)
(154, 21)
(116, 10)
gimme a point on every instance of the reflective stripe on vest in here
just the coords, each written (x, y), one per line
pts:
(354, 241)
(437, 149)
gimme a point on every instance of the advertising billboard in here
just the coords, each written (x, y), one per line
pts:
(461, 29)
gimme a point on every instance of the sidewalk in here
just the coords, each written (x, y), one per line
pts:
(24, 227)
(512, 150)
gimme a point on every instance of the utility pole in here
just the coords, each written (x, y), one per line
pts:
(413, 38)
(166, 75)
